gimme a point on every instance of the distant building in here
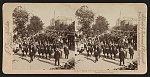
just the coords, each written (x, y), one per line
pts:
(126, 20)
(61, 20)
(52, 22)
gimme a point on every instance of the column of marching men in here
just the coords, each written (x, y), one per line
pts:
(110, 46)
(44, 47)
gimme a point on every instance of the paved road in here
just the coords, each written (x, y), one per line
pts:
(87, 63)
(20, 63)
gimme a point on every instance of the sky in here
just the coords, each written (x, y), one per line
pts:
(111, 11)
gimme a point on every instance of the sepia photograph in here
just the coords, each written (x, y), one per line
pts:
(42, 40)
(106, 39)
(75, 38)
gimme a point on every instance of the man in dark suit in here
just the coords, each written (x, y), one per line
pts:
(57, 56)
(66, 52)
(121, 56)
(131, 52)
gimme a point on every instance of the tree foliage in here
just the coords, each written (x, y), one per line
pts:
(60, 26)
(85, 17)
(100, 25)
(71, 27)
(35, 25)
(20, 18)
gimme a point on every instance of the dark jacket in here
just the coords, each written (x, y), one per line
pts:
(66, 50)
(131, 51)
(121, 55)
(96, 54)
(57, 55)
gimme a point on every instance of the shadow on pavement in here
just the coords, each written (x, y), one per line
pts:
(25, 59)
(111, 62)
(89, 59)
(46, 62)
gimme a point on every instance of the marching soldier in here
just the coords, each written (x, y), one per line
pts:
(50, 51)
(39, 50)
(91, 49)
(46, 50)
(115, 51)
(26, 49)
(23, 49)
(111, 50)
(98, 51)
(42, 50)
(107, 50)
(31, 54)
(103, 48)
(96, 54)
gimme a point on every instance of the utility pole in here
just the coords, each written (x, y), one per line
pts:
(54, 19)
(120, 13)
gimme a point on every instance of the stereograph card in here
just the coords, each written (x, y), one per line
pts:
(74, 38)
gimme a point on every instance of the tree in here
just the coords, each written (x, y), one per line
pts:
(35, 25)
(60, 26)
(20, 18)
(50, 27)
(101, 25)
(71, 27)
(85, 17)
(135, 27)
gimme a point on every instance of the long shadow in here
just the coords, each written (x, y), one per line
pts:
(24, 59)
(111, 62)
(46, 62)
(18, 54)
(89, 59)
(36, 56)
(85, 54)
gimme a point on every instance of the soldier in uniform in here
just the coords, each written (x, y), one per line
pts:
(107, 50)
(26, 49)
(57, 56)
(103, 48)
(42, 50)
(91, 49)
(111, 50)
(98, 51)
(23, 49)
(121, 56)
(96, 54)
(46, 50)
(50, 51)
(115, 51)
(88, 49)
(31, 54)
(34, 51)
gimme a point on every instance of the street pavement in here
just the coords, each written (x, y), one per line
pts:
(22, 63)
(82, 62)
(88, 63)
